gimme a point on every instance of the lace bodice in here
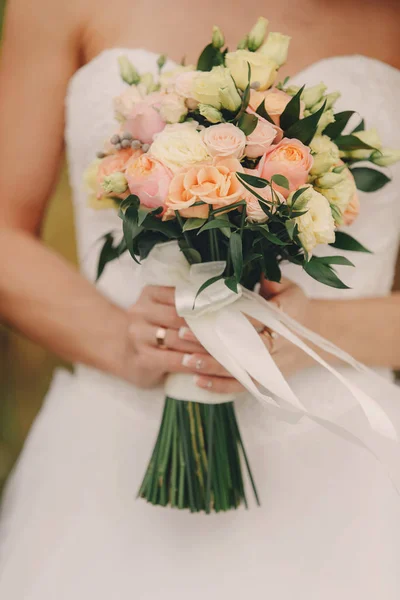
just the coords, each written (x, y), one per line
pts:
(367, 85)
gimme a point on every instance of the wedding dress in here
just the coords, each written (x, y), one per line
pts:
(329, 524)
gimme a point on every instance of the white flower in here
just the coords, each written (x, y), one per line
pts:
(168, 78)
(313, 94)
(316, 226)
(263, 68)
(124, 103)
(213, 115)
(338, 188)
(327, 117)
(370, 137)
(385, 157)
(276, 48)
(115, 183)
(207, 86)
(325, 155)
(257, 34)
(173, 108)
(179, 145)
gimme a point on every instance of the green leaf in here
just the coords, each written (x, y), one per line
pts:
(130, 201)
(170, 229)
(232, 284)
(360, 126)
(271, 237)
(253, 181)
(336, 213)
(108, 253)
(333, 130)
(215, 224)
(231, 207)
(296, 197)
(236, 250)
(305, 129)
(252, 258)
(351, 142)
(291, 228)
(195, 223)
(369, 180)
(280, 180)
(262, 111)
(271, 267)
(323, 273)
(344, 241)
(247, 123)
(209, 58)
(191, 255)
(291, 114)
(142, 214)
(131, 229)
(207, 284)
(334, 260)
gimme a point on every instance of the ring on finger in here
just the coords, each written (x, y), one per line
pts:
(272, 337)
(161, 334)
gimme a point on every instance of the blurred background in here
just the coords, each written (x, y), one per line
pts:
(25, 368)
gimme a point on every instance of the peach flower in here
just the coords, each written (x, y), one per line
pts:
(224, 140)
(290, 158)
(264, 135)
(144, 122)
(353, 209)
(216, 185)
(149, 179)
(115, 163)
(275, 102)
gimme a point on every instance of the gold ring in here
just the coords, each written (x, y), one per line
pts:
(161, 334)
(272, 337)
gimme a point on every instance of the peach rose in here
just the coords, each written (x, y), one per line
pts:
(275, 103)
(264, 135)
(149, 179)
(290, 158)
(144, 122)
(353, 209)
(224, 140)
(216, 185)
(115, 163)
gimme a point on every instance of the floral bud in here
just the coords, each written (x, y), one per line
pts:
(213, 115)
(128, 71)
(147, 80)
(326, 118)
(242, 45)
(218, 39)
(276, 47)
(313, 94)
(257, 34)
(115, 183)
(162, 59)
(329, 180)
(385, 157)
(229, 98)
(292, 90)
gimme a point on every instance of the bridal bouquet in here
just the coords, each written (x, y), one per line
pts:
(219, 174)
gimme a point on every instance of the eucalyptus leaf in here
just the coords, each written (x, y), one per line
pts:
(291, 114)
(369, 180)
(344, 241)
(333, 130)
(305, 129)
(236, 252)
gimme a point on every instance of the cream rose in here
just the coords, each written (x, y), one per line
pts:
(263, 68)
(179, 145)
(224, 140)
(125, 102)
(168, 79)
(316, 226)
(173, 108)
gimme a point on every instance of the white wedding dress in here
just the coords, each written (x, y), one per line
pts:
(329, 524)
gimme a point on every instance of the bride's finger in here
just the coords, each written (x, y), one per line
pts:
(162, 315)
(220, 385)
(172, 339)
(178, 362)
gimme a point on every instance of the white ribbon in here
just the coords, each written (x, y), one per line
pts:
(218, 319)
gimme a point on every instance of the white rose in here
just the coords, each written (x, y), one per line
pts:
(316, 226)
(325, 155)
(173, 108)
(263, 68)
(184, 87)
(168, 78)
(276, 47)
(207, 86)
(178, 146)
(124, 103)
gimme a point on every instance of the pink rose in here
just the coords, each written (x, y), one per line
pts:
(224, 140)
(148, 179)
(255, 213)
(290, 158)
(264, 135)
(115, 163)
(184, 87)
(144, 122)
(353, 209)
(275, 103)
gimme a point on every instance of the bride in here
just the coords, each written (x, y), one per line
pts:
(71, 528)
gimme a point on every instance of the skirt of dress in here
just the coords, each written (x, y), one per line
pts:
(72, 529)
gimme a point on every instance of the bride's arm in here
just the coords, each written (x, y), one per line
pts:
(40, 293)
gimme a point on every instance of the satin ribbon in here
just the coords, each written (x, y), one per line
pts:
(218, 318)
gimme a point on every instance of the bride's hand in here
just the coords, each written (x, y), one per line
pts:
(149, 360)
(292, 300)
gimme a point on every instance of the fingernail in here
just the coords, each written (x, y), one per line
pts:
(186, 360)
(203, 382)
(185, 333)
(190, 360)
